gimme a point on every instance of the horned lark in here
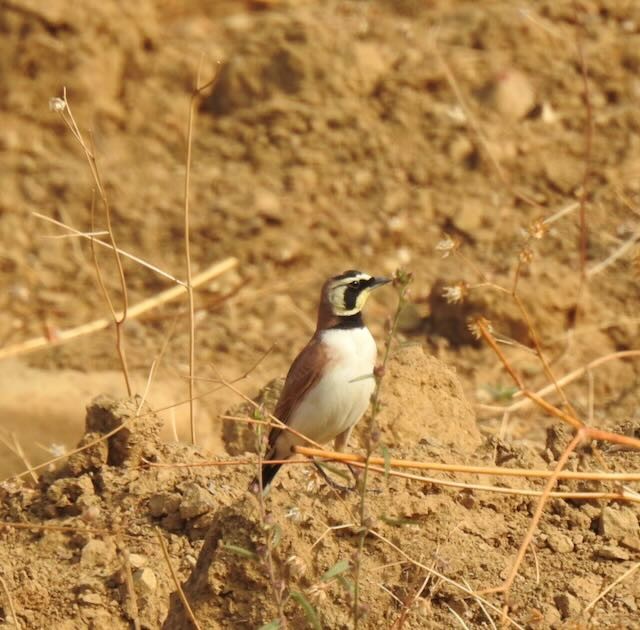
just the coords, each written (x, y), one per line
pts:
(328, 387)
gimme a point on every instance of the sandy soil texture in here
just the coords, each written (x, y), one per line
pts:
(339, 134)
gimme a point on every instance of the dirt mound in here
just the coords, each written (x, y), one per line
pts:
(95, 523)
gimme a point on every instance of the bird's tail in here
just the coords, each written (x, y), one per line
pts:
(267, 474)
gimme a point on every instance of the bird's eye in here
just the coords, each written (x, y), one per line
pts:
(355, 284)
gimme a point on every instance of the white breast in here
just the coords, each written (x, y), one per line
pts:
(342, 395)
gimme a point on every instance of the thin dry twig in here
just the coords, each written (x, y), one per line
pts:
(195, 97)
(131, 591)
(443, 577)
(401, 281)
(176, 582)
(12, 608)
(460, 468)
(611, 586)
(137, 310)
(118, 318)
(16, 448)
(91, 236)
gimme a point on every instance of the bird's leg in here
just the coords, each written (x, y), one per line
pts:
(339, 444)
(331, 482)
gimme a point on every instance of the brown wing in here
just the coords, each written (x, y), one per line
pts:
(303, 374)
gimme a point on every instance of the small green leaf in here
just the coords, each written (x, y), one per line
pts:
(240, 551)
(276, 535)
(347, 584)
(309, 611)
(272, 625)
(339, 567)
(387, 463)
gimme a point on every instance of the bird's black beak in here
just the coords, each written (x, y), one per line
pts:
(379, 281)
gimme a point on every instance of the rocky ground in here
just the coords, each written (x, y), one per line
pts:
(338, 135)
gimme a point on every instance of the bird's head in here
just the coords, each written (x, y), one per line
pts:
(347, 293)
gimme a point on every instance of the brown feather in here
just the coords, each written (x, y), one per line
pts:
(303, 374)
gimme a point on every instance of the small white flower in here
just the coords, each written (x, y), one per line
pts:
(477, 325)
(56, 104)
(446, 245)
(453, 295)
(293, 513)
(57, 450)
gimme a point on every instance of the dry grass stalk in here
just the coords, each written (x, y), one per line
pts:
(118, 318)
(12, 608)
(628, 573)
(401, 281)
(584, 433)
(91, 236)
(460, 468)
(131, 591)
(135, 311)
(176, 582)
(469, 592)
(565, 380)
(13, 445)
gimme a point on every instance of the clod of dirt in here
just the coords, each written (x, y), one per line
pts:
(568, 605)
(514, 94)
(71, 496)
(137, 438)
(241, 438)
(224, 566)
(611, 552)
(560, 543)
(616, 524)
(423, 400)
(196, 501)
(97, 553)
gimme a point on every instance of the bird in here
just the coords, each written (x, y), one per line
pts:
(329, 384)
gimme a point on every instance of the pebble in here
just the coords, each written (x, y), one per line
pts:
(196, 501)
(611, 552)
(90, 598)
(567, 604)
(137, 561)
(267, 204)
(469, 217)
(560, 543)
(145, 580)
(97, 553)
(164, 503)
(616, 524)
(631, 542)
(514, 94)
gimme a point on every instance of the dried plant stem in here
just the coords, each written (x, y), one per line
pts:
(565, 380)
(618, 253)
(137, 310)
(583, 433)
(118, 318)
(131, 591)
(625, 495)
(515, 567)
(402, 281)
(588, 142)
(12, 608)
(441, 576)
(613, 584)
(195, 97)
(92, 237)
(174, 577)
(16, 448)
(459, 468)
